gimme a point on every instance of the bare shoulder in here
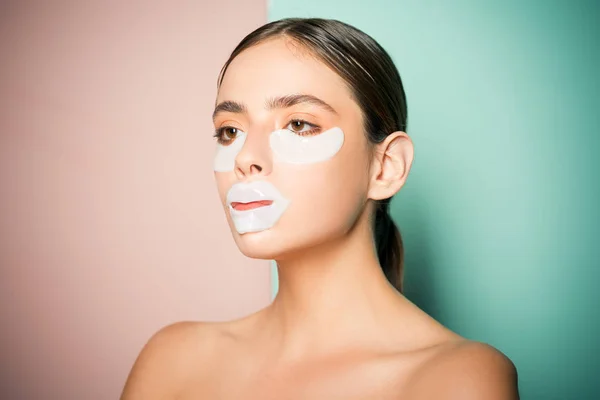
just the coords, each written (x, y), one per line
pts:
(465, 370)
(168, 358)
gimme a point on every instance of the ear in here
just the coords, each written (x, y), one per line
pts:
(390, 166)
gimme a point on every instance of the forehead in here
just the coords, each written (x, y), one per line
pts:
(280, 67)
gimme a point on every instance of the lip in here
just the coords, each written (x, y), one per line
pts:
(250, 206)
(255, 206)
(250, 195)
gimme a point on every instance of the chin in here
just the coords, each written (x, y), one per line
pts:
(266, 245)
(260, 245)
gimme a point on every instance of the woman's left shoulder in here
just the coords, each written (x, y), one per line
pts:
(465, 369)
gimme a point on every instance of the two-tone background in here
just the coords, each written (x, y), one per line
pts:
(110, 226)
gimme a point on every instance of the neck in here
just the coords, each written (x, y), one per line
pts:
(331, 291)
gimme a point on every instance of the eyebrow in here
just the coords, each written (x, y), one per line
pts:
(229, 106)
(274, 103)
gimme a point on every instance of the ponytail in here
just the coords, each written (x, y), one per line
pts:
(389, 245)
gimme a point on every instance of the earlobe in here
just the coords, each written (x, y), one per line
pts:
(394, 158)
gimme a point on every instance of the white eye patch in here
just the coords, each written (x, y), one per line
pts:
(225, 155)
(295, 149)
(287, 146)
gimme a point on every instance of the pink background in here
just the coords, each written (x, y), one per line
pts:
(110, 223)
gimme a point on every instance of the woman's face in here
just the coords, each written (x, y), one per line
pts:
(292, 165)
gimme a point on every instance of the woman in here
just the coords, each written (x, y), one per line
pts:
(310, 121)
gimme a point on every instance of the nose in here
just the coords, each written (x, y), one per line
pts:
(254, 158)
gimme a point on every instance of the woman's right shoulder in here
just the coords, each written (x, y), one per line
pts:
(185, 335)
(170, 356)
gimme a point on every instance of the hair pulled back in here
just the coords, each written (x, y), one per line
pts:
(375, 85)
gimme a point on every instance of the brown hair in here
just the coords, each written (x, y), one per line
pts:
(375, 85)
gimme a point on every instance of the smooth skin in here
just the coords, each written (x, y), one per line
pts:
(336, 329)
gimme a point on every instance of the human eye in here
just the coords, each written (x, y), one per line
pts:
(303, 128)
(226, 135)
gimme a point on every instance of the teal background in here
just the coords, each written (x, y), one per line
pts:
(500, 213)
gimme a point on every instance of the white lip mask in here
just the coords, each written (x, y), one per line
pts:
(225, 156)
(260, 218)
(292, 148)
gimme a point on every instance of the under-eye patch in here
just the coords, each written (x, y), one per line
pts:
(292, 148)
(287, 146)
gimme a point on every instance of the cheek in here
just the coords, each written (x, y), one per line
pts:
(326, 196)
(224, 180)
(330, 193)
